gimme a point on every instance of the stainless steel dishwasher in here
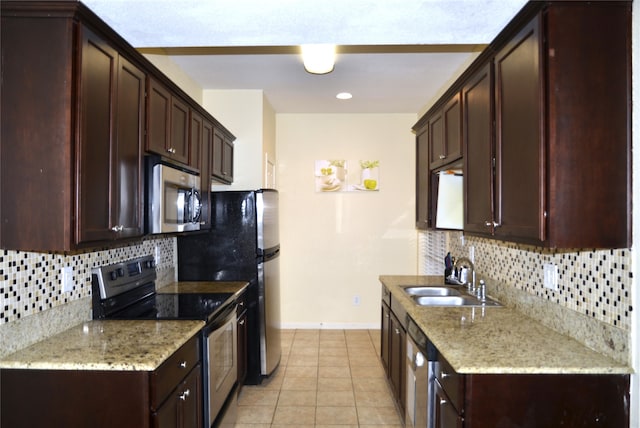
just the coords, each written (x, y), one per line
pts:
(421, 361)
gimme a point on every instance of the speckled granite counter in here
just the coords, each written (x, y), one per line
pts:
(118, 344)
(106, 345)
(497, 340)
(234, 287)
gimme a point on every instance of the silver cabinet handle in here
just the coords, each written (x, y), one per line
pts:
(117, 228)
(183, 364)
(241, 322)
(171, 150)
(184, 395)
(442, 156)
(444, 375)
(397, 331)
(491, 223)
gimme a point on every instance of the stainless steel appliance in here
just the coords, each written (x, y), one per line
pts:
(243, 245)
(173, 199)
(127, 291)
(421, 365)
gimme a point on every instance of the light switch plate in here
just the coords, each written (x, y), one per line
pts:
(67, 279)
(550, 276)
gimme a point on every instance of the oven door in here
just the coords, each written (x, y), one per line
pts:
(221, 371)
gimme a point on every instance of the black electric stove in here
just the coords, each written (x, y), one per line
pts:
(127, 291)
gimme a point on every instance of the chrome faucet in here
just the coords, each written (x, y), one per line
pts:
(462, 266)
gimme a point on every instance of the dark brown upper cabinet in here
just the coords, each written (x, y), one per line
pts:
(74, 119)
(478, 114)
(222, 156)
(546, 128)
(168, 124)
(445, 134)
(72, 127)
(423, 177)
(111, 117)
(562, 143)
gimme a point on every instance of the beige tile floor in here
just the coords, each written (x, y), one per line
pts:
(326, 378)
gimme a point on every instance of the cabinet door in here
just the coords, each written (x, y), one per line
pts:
(97, 101)
(222, 157)
(478, 152)
(452, 113)
(179, 145)
(205, 174)
(183, 408)
(385, 337)
(242, 346)
(158, 118)
(445, 132)
(436, 140)
(127, 168)
(227, 160)
(520, 185)
(397, 361)
(446, 415)
(195, 140)
(423, 175)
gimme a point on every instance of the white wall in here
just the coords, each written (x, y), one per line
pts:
(177, 75)
(241, 112)
(335, 245)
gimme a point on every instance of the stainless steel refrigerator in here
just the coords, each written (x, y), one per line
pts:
(243, 245)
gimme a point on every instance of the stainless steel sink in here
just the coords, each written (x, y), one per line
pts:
(443, 300)
(431, 291)
(437, 295)
(453, 301)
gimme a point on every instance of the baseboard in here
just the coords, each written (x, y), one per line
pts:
(330, 326)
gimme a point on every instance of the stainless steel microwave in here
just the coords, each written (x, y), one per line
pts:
(174, 203)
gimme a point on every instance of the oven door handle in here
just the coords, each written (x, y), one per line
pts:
(223, 317)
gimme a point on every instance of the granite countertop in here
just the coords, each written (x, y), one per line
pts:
(497, 340)
(128, 345)
(201, 287)
(106, 345)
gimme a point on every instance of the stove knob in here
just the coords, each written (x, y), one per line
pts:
(150, 264)
(120, 271)
(113, 275)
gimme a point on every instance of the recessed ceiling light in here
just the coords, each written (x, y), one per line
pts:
(344, 96)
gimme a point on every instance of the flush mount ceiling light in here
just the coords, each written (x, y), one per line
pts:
(344, 96)
(319, 59)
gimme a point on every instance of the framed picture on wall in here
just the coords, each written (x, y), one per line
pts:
(339, 175)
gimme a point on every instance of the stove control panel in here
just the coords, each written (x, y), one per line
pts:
(118, 278)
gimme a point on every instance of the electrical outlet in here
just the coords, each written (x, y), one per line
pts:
(156, 255)
(356, 300)
(67, 279)
(550, 276)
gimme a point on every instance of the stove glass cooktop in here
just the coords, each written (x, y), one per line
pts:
(189, 306)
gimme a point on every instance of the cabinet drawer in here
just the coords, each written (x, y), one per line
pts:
(173, 370)
(452, 383)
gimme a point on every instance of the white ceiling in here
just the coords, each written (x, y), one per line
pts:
(395, 56)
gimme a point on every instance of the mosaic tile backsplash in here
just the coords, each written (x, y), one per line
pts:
(596, 283)
(32, 282)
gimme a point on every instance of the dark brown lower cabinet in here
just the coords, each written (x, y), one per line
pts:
(530, 400)
(170, 396)
(242, 340)
(183, 408)
(393, 353)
